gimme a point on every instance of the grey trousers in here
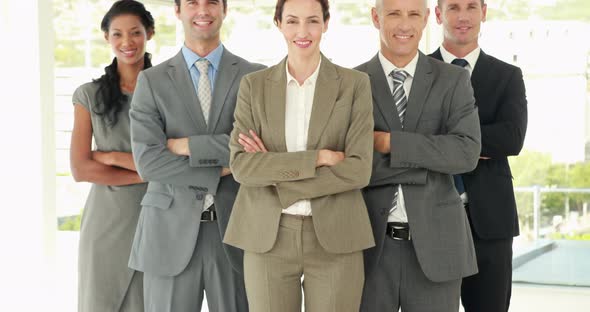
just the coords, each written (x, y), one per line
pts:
(398, 282)
(331, 282)
(209, 272)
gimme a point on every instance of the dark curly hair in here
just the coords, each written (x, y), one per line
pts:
(109, 94)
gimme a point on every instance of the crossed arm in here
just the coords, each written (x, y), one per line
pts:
(406, 157)
(107, 168)
(306, 174)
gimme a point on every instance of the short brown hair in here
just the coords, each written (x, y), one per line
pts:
(177, 2)
(440, 2)
(281, 4)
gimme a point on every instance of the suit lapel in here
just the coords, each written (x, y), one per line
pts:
(275, 97)
(481, 72)
(382, 94)
(225, 78)
(421, 84)
(183, 83)
(324, 98)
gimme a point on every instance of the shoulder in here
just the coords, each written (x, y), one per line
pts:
(498, 65)
(85, 94)
(242, 63)
(157, 69)
(351, 77)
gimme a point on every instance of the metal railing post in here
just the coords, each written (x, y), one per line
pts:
(536, 211)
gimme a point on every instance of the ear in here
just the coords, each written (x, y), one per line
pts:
(375, 18)
(150, 34)
(326, 25)
(426, 17)
(106, 36)
(438, 14)
(484, 10)
(177, 11)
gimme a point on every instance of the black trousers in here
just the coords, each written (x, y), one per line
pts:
(490, 289)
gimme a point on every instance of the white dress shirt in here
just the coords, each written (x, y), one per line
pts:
(399, 214)
(471, 59)
(299, 103)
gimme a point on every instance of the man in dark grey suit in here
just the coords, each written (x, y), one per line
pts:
(426, 129)
(181, 118)
(487, 191)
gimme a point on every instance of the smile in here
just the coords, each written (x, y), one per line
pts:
(302, 43)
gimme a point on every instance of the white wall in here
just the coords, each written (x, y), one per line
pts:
(27, 176)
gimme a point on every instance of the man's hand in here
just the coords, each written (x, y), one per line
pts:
(252, 143)
(225, 171)
(328, 158)
(381, 142)
(179, 146)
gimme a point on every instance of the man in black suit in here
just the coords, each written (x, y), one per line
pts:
(488, 193)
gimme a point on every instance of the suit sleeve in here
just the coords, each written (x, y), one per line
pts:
(355, 170)
(383, 174)
(209, 150)
(456, 150)
(263, 169)
(152, 158)
(505, 136)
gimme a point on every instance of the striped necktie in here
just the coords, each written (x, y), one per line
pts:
(401, 104)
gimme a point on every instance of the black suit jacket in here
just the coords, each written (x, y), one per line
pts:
(501, 99)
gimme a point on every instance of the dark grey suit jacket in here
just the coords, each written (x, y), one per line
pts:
(440, 137)
(502, 106)
(164, 106)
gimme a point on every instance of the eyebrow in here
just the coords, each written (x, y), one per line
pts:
(309, 17)
(134, 28)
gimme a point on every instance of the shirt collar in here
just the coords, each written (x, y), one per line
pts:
(310, 80)
(388, 66)
(214, 57)
(471, 58)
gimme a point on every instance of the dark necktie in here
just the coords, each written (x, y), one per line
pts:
(401, 103)
(457, 177)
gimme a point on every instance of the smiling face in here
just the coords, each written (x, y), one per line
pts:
(400, 24)
(128, 37)
(302, 24)
(461, 21)
(201, 20)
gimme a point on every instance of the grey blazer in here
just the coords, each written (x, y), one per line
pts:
(164, 106)
(440, 137)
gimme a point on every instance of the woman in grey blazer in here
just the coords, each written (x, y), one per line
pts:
(101, 111)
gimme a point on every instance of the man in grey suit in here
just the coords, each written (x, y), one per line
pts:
(426, 129)
(181, 118)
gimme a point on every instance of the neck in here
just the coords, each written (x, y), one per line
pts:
(301, 67)
(202, 47)
(128, 74)
(460, 51)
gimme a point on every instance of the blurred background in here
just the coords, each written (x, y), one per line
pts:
(52, 46)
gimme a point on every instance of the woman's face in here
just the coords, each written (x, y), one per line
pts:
(128, 37)
(302, 26)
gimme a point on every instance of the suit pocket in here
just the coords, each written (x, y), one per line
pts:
(160, 200)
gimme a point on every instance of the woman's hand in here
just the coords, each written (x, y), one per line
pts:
(252, 143)
(329, 158)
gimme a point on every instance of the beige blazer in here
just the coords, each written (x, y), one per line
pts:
(341, 120)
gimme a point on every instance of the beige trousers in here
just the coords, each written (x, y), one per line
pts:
(331, 282)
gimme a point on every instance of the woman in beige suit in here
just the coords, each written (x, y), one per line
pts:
(302, 150)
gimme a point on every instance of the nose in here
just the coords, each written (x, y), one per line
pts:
(203, 7)
(302, 30)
